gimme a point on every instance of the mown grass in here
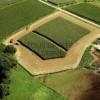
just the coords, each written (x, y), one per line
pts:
(63, 32)
(24, 87)
(42, 46)
(69, 83)
(86, 10)
(87, 59)
(19, 15)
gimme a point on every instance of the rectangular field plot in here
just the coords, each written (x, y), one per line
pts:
(86, 10)
(41, 46)
(62, 32)
(21, 14)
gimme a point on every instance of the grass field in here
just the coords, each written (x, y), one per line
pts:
(86, 10)
(19, 15)
(69, 83)
(87, 59)
(63, 32)
(6, 3)
(24, 87)
(65, 1)
(42, 46)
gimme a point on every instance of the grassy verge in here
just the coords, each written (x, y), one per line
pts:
(24, 87)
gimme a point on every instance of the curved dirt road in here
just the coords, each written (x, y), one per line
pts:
(36, 65)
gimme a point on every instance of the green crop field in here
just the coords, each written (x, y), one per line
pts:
(68, 83)
(59, 1)
(86, 10)
(87, 59)
(6, 3)
(19, 15)
(24, 87)
(63, 32)
(66, 2)
(42, 46)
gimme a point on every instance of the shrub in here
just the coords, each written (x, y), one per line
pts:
(10, 49)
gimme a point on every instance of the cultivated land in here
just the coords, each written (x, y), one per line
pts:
(36, 66)
(65, 1)
(24, 87)
(62, 31)
(20, 15)
(86, 10)
(42, 46)
(76, 84)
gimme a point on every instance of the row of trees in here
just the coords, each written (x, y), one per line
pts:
(7, 61)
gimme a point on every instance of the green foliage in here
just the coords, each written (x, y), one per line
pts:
(86, 59)
(6, 63)
(63, 32)
(67, 83)
(2, 47)
(86, 10)
(10, 49)
(43, 47)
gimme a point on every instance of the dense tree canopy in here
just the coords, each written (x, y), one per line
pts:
(7, 62)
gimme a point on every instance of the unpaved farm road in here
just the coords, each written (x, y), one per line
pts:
(36, 65)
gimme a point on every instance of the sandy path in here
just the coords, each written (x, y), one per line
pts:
(36, 65)
(32, 27)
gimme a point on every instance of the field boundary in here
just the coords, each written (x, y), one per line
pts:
(35, 65)
(71, 14)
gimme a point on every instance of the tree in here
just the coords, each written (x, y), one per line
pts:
(10, 49)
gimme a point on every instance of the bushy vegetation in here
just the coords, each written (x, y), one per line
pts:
(63, 32)
(10, 49)
(42, 46)
(24, 87)
(86, 10)
(87, 59)
(7, 62)
(20, 15)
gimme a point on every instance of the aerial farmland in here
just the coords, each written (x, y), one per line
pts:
(50, 49)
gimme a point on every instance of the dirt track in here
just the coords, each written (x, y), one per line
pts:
(35, 65)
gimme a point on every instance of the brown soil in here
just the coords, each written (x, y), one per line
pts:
(93, 92)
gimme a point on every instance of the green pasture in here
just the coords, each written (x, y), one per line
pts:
(24, 87)
(68, 83)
